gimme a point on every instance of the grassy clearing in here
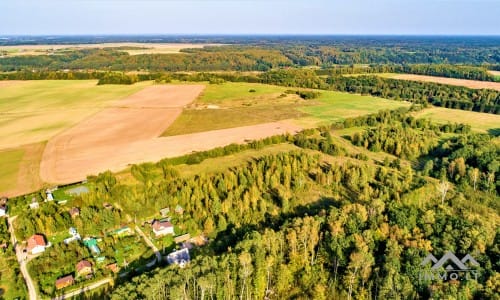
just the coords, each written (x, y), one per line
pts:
(336, 106)
(230, 91)
(220, 164)
(36, 110)
(236, 106)
(192, 120)
(9, 160)
(480, 122)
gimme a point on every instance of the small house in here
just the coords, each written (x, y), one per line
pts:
(91, 243)
(74, 212)
(34, 204)
(164, 212)
(162, 227)
(64, 282)
(50, 196)
(36, 244)
(3, 210)
(107, 205)
(179, 257)
(179, 210)
(83, 268)
(182, 238)
(125, 230)
(113, 267)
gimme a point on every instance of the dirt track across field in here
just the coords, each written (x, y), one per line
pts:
(128, 133)
(473, 84)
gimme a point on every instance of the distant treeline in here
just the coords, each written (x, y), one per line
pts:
(443, 70)
(265, 55)
(457, 97)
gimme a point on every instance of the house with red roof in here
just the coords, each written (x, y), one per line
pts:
(36, 244)
(83, 268)
(162, 227)
(64, 282)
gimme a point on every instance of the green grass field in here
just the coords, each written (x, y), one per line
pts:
(237, 106)
(33, 111)
(9, 160)
(480, 122)
(336, 106)
(231, 91)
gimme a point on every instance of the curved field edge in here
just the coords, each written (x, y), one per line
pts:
(34, 111)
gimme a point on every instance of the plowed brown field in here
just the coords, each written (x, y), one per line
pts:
(128, 133)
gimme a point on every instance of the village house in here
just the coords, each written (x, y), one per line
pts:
(107, 205)
(3, 206)
(34, 204)
(74, 211)
(162, 227)
(50, 196)
(36, 244)
(179, 257)
(164, 212)
(3, 210)
(83, 268)
(182, 238)
(64, 282)
(179, 210)
(75, 236)
(113, 267)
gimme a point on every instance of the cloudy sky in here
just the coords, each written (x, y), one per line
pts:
(438, 17)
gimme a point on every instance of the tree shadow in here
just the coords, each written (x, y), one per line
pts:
(232, 235)
(494, 131)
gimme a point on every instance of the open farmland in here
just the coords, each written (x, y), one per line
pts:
(480, 122)
(473, 84)
(130, 48)
(232, 105)
(34, 111)
(87, 147)
(336, 106)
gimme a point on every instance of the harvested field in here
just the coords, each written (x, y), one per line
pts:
(473, 84)
(131, 48)
(94, 144)
(480, 122)
(496, 73)
(20, 169)
(6, 83)
(34, 111)
(71, 167)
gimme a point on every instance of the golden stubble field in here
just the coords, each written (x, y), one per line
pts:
(130, 48)
(473, 84)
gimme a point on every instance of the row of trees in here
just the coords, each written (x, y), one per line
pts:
(444, 70)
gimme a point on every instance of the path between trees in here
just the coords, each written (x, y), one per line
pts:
(150, 244)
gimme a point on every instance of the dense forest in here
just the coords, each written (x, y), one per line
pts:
(265, 53)
(319, 222)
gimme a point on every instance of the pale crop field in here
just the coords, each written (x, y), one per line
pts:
(34, 111)
(130, 48)
(480, 122)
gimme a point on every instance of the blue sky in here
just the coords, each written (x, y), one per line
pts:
(438, 17)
